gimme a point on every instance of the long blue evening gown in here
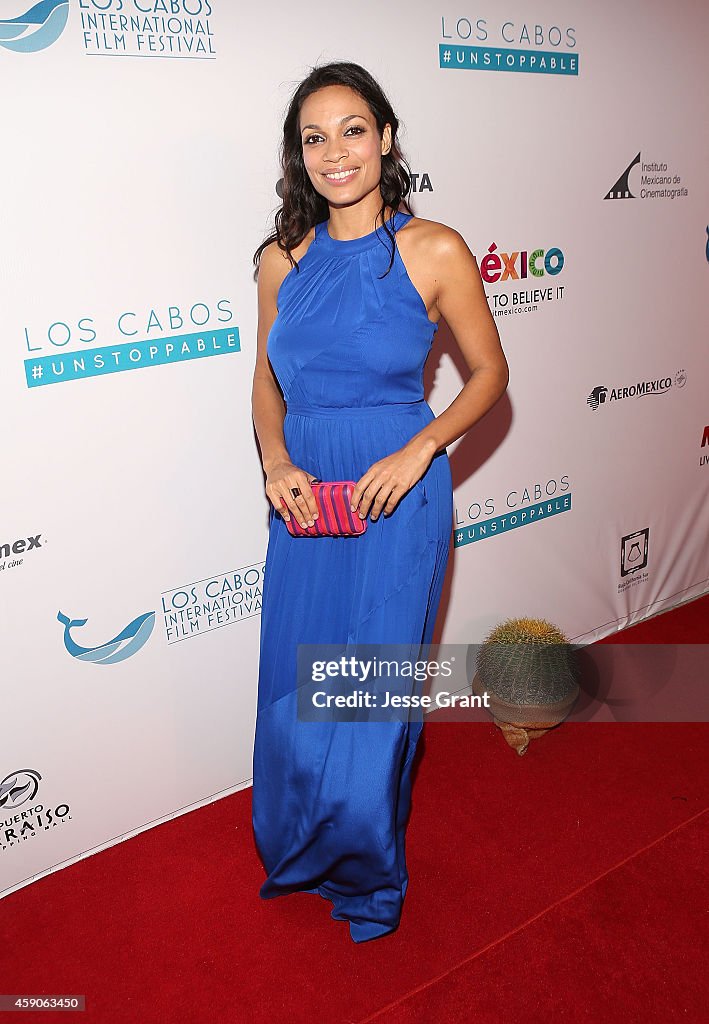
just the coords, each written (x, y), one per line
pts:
(331, 799)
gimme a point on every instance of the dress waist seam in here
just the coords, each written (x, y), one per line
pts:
(298, 409)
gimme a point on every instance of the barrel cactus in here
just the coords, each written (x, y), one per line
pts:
(527, 668)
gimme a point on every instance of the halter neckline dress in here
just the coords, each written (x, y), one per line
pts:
(331, 799)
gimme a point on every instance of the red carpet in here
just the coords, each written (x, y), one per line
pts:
(569, 884)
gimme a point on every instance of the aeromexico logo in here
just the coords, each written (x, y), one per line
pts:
(36, 28)
(126, 643)
(602, 395)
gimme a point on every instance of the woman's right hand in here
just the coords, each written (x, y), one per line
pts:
(279, 480)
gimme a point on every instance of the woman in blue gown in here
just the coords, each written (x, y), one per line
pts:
(338, 395)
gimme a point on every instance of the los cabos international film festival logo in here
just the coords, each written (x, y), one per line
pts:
(113, 28)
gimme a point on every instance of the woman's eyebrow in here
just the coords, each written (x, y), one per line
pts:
(347, 118)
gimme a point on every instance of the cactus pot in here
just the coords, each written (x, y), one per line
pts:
(521, 723)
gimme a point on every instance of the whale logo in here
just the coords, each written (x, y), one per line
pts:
(126, 643)
(37, 29)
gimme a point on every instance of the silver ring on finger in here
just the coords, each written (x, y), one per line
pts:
(295, 491)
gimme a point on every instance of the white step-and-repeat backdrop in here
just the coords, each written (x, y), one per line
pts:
(566, 143)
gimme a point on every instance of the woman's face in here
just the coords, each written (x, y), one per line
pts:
(338, 133)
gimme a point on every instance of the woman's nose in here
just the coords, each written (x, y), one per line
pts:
(335, 151)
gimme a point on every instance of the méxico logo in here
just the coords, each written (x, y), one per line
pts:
(37, 28)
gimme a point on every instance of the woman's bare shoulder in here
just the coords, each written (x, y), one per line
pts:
(274, 264)
(274, 259)
(432, 251)
(433, 236)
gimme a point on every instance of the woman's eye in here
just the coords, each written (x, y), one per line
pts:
(353, 127)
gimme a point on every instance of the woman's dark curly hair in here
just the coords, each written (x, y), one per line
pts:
(303, 207)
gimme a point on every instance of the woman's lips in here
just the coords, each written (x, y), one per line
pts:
(341, 181)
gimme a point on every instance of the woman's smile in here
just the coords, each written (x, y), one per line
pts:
(340, 177)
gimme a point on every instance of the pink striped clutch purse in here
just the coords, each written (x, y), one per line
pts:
(335, 518)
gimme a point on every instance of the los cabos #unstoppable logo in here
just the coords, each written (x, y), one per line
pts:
(175, 334)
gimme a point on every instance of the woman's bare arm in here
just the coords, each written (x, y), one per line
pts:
(268, 407)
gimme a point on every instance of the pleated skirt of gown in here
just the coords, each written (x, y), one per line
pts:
(331, 799)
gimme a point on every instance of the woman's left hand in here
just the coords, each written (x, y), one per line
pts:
(389, 479)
